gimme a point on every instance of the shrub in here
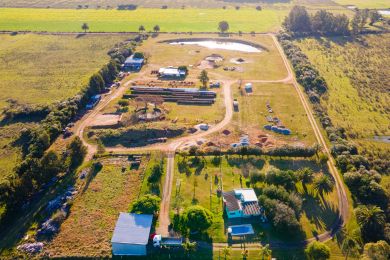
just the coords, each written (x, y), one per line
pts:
(197, 218)
(148, 204)
(317, 251)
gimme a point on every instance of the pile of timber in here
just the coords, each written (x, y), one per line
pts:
(184, 96)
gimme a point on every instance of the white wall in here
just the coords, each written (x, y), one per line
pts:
(128, 249)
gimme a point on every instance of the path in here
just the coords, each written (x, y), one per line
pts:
(171, 146)
(340, 188)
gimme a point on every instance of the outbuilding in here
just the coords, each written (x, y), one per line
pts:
(134, 63)
(131, 234)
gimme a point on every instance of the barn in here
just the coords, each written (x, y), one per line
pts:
(131, 234)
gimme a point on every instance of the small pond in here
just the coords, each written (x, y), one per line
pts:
(383, 138)
(384, 12)
(222, 45)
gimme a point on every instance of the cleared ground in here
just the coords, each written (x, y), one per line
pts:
(170, 20)
(252, 116)
(198, 184)
(356, 73)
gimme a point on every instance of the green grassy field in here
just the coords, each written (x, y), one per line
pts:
(378, 4)
(115, 3)
(42, 69)
(170, 20)
(285, 104)
(198, 185)
(358, 90)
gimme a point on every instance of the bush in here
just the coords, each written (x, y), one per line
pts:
(197, 218)
(148, 204)
(317, 251)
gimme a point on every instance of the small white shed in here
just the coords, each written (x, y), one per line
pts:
(131, 234)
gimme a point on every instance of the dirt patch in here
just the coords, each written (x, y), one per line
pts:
(106, 120)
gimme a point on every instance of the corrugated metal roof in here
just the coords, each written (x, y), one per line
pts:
(231, 201)
(132, 229)
(133, 60)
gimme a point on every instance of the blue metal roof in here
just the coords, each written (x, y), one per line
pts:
(133, 60)
(132, 229)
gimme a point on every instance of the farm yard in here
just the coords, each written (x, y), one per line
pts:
(173, 140)
(356, 73)
(264, 104)
(199, 180)
(95, 209)
(167, 50)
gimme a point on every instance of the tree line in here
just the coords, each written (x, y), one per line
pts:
(37, 166)
(361, 175)
(300, 22)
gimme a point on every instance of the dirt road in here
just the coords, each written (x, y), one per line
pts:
(342, 195)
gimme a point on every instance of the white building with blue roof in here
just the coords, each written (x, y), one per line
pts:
(131, 234)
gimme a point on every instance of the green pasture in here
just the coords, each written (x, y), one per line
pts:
(197, 183)
(355, 74)
(285, 104)
(377, 4)
(170, 20)
(42, 69)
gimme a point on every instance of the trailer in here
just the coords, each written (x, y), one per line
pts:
(159, 241)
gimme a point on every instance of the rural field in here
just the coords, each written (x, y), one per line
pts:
(285, 104)
(356, 73)
(42, 70)
(170, 20)
(376, 4)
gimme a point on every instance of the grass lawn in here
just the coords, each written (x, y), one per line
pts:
(169, 20)
(42, 69)
(198, 185)
(88, 229)
(378, 4)
(266, 65)
(285, 104)
(356, 76)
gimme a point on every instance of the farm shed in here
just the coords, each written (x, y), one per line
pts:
(131, 234)
(171, 72)
(133, 63)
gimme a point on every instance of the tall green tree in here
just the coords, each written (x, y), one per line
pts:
(375, 16)
(204, 78)
(223, 26)
(265, 252)
(85, 27)
(323, 184)
(156, 28)
(226, 252)
(372, 220)
(350, 246)
(298, 20)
